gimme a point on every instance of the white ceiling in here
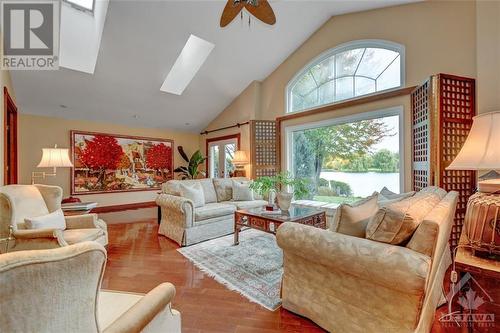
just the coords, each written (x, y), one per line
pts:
(140, 43)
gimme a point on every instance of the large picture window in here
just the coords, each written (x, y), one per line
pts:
(348, 158)
(348, 71)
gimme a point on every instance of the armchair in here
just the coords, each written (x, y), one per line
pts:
(351, 284)
(18, 202)
(58, 290)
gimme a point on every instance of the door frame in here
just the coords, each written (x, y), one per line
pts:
(219, 138)
(10, 166)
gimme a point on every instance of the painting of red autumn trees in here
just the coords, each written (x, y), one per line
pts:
(113, 163)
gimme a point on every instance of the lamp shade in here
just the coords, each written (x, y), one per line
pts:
(240, 158)
(481, 150)
(55, 158)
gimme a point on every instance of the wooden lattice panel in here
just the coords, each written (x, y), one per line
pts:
(421, 136)
(456, 110)
(442, 112)
(264, 155)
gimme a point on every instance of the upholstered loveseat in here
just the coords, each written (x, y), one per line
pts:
(18, 202)
(186, 224)
(354, 284)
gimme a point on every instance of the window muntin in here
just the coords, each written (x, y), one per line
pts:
(348, 71)
(348, 170)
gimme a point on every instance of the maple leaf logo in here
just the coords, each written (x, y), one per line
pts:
(470, 301)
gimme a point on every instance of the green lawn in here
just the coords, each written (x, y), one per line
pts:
(338, 200)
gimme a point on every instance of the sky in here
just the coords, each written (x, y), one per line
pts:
(392, 142)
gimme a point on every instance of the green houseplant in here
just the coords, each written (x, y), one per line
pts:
(284, 185)
(191, 170)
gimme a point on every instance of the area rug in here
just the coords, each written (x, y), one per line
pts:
(253, 268)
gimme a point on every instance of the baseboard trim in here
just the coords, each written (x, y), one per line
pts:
(120, 208)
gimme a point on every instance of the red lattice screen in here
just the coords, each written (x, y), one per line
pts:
(264, 156)
(442, 110)
(457, 107)
(421, 119)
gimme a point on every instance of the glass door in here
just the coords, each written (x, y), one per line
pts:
(220, 157)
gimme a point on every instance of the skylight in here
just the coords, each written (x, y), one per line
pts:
(82, 4)
(192, 57)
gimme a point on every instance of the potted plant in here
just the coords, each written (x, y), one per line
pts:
(284, 185)
(191, 171)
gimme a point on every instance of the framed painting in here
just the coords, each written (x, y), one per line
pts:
(108, 163)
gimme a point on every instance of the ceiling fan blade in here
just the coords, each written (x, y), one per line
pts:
(263, 12)
(230, 12)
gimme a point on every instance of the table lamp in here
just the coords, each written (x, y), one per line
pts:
(52, 158)
(481, 151)
(239, 161)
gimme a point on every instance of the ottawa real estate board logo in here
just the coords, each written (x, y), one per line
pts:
(30, 34)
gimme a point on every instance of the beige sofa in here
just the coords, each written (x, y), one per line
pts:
(58, 290)
(186, 225)
(18, 202)
(351, 284)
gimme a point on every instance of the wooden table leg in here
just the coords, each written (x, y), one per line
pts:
(236, 234)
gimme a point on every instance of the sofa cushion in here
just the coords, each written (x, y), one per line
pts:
(246, 204)
(351, 219)
(212, 210)
(73, 236)
(194, 193)
(54, 220)
(242, 191)
(396, 222)
(173, 187)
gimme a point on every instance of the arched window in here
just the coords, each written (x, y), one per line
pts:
(347, 71)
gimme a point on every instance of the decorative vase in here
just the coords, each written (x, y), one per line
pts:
(285, 200)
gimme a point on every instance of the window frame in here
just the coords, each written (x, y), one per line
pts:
(81, 8)
(356, 44)
(375, 114)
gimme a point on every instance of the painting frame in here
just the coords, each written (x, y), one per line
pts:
(142, 139)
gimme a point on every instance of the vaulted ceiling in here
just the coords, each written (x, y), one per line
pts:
(140, 43)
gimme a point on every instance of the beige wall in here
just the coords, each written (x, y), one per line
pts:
(439, 37)
(242, 109)
(4, 82)
(488, 55)
(36, 132)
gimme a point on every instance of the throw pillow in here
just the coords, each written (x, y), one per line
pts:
(351, 219)
(54, 220)
(193, 193)
(395, 223)
(223, 189)
(389, 195)
(242, 191)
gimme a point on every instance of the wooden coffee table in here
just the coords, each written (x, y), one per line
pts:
(257, 218)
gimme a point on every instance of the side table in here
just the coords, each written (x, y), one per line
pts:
(482, 303)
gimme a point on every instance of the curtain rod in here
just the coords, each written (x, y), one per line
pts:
(224, 128)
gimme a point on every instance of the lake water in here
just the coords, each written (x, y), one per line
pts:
(364, 184)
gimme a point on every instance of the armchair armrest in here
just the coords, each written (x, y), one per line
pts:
(175, 209)
(48, 236)
(145, 311)
(394, 267)
(85, 221)
(34, 233)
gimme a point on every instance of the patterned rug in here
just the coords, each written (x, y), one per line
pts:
(253, 268)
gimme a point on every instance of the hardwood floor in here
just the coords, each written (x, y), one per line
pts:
(139, 259)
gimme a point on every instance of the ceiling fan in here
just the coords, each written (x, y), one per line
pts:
(261, 9)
